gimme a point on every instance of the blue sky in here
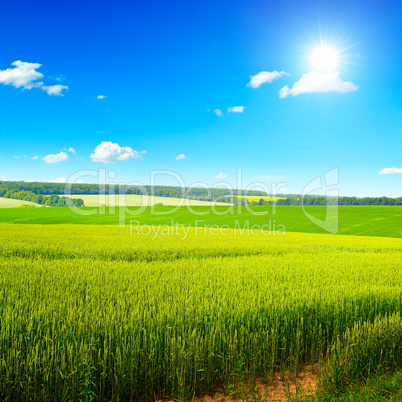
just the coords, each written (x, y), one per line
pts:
(165, 67)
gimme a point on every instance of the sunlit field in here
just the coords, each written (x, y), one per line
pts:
(353, 220)
(11, 203)
(132, 200)
(113, 313)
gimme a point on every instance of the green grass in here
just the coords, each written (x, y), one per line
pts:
(90, 312)
(369, 350)
(11, 203)
(131, 200)
(353, 220)
(387, 387)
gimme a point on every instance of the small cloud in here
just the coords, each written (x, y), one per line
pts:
(36, 157)
(391, 171)
(16, 157)
(218, 112)
(108, 152)
(55, 89)
(60, 180)
(221, 176)
(264, 76)
(2, 178)
(314, 82)
(22, 75)
(101, 97)
(181, 156)
(59, 78)
(56, 158)
(71, 150)
(143, 152)
(236, 109)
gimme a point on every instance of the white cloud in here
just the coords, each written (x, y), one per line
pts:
(318, 82)
(22, 75)
(109, 152)
(35, 157)
(218, 112)
(264, 76)
(143, 152)
(391, 171)
(101, 97)
(54, 89)
(181, 156)
(236, 109)
(221, 176)
(72, 150)
(58, 78)
(2, 178)
(56, 158)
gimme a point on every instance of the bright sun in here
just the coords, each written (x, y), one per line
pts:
(324, 59)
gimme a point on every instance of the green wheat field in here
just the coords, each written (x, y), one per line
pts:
(101, 312)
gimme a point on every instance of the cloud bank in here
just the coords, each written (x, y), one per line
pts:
(108, 152)
(391, 171)
(24, 75)
(318, 82)
(236, 109)
(264, 76)
(56, 158)
(54, 89)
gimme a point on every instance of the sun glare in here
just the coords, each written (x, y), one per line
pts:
(324, 59)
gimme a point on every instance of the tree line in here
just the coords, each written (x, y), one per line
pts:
(47, 200)
(201, 193)
(322, 200)
(194, 193)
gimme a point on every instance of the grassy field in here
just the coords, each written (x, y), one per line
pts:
(353, 220)
(92, 312)
(11, 203)
(132, 200)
